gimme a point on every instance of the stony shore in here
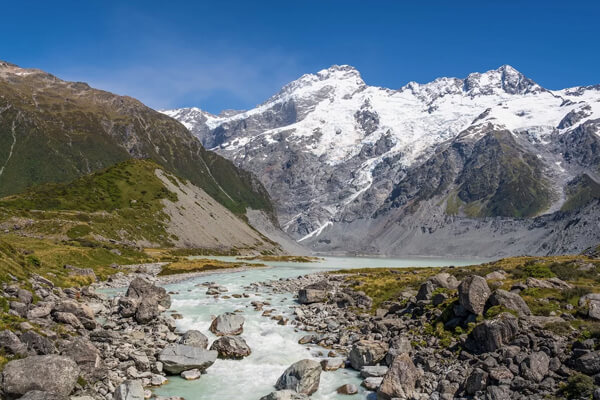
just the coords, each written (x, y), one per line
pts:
(495, 331)
(446, 338)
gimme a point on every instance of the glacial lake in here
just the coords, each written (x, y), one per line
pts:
(274, 347)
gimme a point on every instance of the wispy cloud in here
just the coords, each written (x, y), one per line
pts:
(172, 76)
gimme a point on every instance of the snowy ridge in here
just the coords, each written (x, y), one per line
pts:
(335, 119)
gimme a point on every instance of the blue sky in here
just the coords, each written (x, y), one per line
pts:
(235, 54)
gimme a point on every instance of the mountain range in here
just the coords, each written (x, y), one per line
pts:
(492, 164)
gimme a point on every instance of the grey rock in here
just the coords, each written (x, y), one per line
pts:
(129, 390)
(535, 366)
(309, 296)
(473, 293)
(588, 363)
(369, 371)
(303, 377)
(332, 364)
(194, 338)
(509, 300)
(191, 375)
(491, 335)
(141, 288)
(227, 324)
(400, 380)
(372, 383)
(476, 381)
(348, 388)
(147, 310)
(231, 347)
(177, 358)
(87, 356)
(40, 395)
(501, 392)
(51, 373)
(37, 343)
(285, 395)
(367, 352)
(11, 344)
(425, 291)
(444, 280)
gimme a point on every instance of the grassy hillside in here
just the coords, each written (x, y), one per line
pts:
(55, 131)
(120, 203)
(581, 191)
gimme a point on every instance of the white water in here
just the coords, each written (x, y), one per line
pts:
(274, 347)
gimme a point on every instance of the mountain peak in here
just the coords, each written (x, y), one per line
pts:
(505, 78)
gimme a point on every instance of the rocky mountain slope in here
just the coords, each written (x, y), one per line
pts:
(55, 131)
(353, 167)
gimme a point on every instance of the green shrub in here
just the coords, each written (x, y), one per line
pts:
(533, 271)
(579, 386)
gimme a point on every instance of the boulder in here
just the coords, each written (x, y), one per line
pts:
(11, 344)
(285, 395)
(68, 318)
(588, 363)
(332, 364)
(425, 291)
(309, 296)
(227, 324)
(82, 311)
(87, 356)
(496, 276)
(129, 390)
(37, 343)
(348, 388)
(141, 288)
(400, 380)
(41, 310)
(476, 381)
(473, 293)
(39, 395)
(177, 358)
(509, 300)
(444, 280)
(372, 383)
(231, 347)
(303, 377)
(147, 310)
(51, 373)
(491, 335)
(367, 352)
(535, 366)
(550, 283)
(194, 338)
(191, 375)
(369, 371)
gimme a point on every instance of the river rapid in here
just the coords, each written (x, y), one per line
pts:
(274, 347)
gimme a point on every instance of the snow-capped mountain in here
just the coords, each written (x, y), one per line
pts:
(335, 153)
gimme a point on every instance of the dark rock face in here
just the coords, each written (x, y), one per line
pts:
(303, 377)
(400, 380)
(143, 301)
(177, 358)
(473, 293)
(51, 373)
(491, 335)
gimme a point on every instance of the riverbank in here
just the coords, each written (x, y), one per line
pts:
(519, 328)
